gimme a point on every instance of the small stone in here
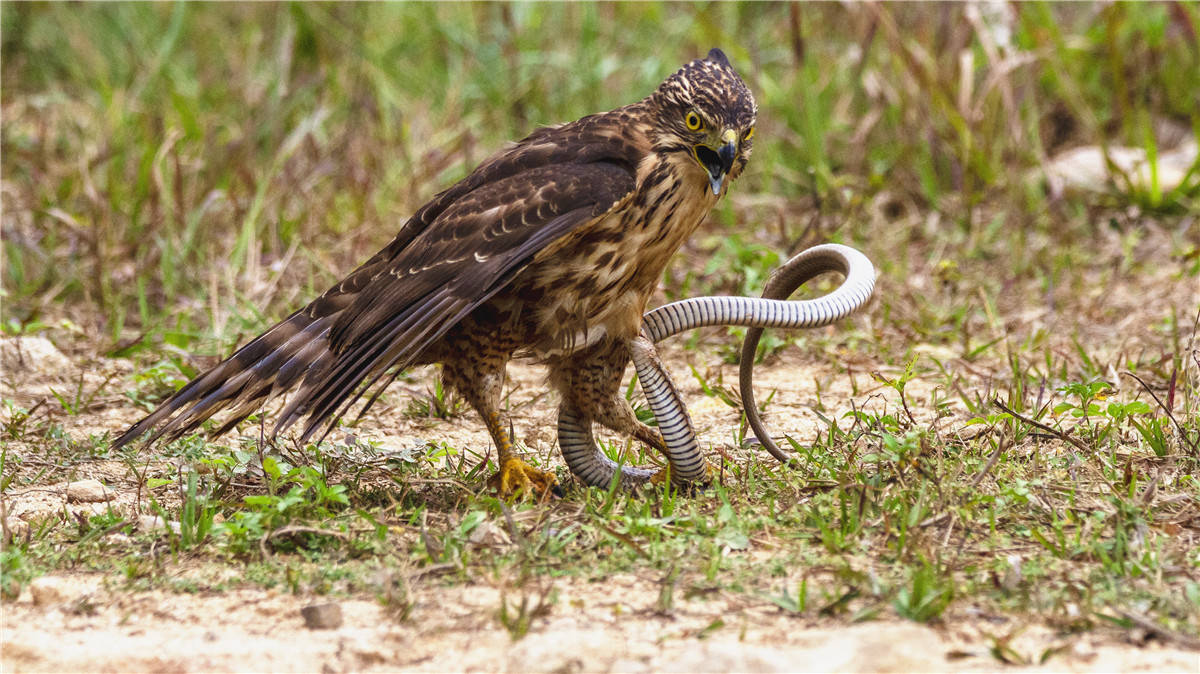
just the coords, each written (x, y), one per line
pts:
(1083, 650)
(47, 590)
(154, 523)
(369, 655)
(322, 616)
(98, 508)
(1138, 636)
(15, 529)
(488, 534)
(36, 354)
(1012, 575)
(88, 491)
(118, 539)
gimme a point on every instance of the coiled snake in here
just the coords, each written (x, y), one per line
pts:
(772, 310)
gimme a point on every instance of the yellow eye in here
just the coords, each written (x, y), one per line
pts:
(693, 121)
(749, 134)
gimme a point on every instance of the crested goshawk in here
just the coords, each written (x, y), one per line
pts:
(549, 249)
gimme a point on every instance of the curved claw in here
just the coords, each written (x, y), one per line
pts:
(516, 477)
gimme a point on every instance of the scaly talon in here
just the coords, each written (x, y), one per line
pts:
(517, 477)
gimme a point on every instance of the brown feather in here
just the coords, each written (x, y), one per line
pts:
(526, 251)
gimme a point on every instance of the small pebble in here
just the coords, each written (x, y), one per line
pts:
(118, 539)
(88, 491)
(15, 528)
(47, 590)
(322, 616)
(154, 522)
(488, 534)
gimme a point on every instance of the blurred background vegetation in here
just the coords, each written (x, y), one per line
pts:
(189, 171)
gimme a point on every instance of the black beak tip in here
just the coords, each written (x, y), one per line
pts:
(727, 153)
(718, 163)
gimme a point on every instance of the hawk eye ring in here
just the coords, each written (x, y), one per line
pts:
(749, 134)
(692, 120)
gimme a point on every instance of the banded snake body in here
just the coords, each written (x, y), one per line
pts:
(772, 310)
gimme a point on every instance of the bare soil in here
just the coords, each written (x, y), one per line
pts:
(605, 625)
(93, 622)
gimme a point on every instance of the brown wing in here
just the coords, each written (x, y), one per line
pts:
(467, 255)
(456, 252)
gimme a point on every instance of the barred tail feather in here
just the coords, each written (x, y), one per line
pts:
(269, 365)
(329, 391)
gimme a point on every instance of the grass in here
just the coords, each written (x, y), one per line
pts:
(1025, 438)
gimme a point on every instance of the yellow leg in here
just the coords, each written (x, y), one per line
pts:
(473, 363)
(516, 477)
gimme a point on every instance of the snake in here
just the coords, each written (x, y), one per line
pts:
(773, 310)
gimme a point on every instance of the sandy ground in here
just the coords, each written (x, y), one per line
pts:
(89, 622)
(599, 626)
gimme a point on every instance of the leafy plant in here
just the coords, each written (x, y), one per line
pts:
(15, 572)
(926, 596)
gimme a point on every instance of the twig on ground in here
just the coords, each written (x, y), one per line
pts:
(434, 569)
(1166, 634)
(440, 480)
(1049, 429)
(990, 464)
(1167, 410)
(627, 540)
(296, 529)
(516, 535)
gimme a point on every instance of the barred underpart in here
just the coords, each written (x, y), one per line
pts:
(772, 310)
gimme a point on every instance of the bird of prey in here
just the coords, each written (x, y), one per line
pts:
(549, 250)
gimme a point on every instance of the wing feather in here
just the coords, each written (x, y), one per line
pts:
(455, 253)
(386, 327)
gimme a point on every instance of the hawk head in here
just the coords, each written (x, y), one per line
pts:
(706, 112)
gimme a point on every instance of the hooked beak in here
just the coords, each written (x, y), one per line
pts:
(718, 161)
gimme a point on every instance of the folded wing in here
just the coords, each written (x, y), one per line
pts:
(458, 251)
